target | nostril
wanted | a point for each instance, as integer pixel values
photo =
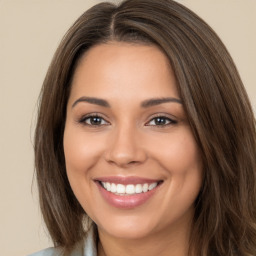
(133, 162)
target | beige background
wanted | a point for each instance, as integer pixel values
(30, 31)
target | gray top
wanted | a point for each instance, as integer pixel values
(87, 247)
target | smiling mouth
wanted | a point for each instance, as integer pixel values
(127, 192)
(129, 189)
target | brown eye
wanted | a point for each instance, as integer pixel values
(94, 121)
(161, 121)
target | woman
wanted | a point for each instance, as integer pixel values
(145, 141)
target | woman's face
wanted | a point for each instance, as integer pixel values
(131, 158)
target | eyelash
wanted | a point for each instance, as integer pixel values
(90, 117)
(163, 117)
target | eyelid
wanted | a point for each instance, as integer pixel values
(83, 118)
(172, 120)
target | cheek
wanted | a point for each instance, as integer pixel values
(185, 166)
(178, 153)
(80, 151)
(81, 155)
(180, 157)
(186, 177)
(185, 154)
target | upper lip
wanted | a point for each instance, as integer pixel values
(125, 180)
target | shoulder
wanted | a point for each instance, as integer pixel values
(86, 247)
(47, 252)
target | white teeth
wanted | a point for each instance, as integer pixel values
(145, 187)
(120, 188)
(151, 186)
(138, 188)
(108, 186)
(113, 188)
(129, 189)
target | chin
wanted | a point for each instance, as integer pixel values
(129, 227)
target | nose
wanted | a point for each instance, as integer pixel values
(125, 148)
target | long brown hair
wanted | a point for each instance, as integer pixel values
(216, 104)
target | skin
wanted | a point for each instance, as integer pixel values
(127, 141)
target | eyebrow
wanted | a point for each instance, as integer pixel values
(92, 100)
(158, 101)
(144, 104)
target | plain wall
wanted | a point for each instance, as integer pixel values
(30, 31)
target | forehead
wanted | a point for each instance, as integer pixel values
(123, 69)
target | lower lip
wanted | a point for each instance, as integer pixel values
(126, 202)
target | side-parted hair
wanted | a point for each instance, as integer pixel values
(216, 105)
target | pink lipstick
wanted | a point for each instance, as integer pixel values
(127, 192)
